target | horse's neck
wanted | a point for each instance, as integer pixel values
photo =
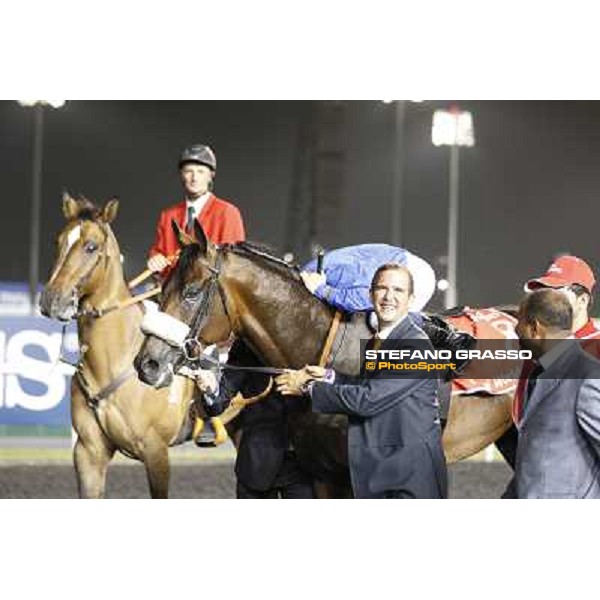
(283, 322)
(109, 292)
(111, 341)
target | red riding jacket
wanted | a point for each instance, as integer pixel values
(221, 221)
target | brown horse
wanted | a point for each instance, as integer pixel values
(111, 408)
(242, 290)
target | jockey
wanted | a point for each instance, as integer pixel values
(222, 223)
(345, 284)
(220, 219)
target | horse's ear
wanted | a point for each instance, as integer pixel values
(201, 238)
(110, 210)
(70, 207)
(181, 236)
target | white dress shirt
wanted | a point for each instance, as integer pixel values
(384, 332)
(197, 204)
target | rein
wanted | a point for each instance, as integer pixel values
(97, 313)
(214, 362)
(193, 340)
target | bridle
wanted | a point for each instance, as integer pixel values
(104, 254)
(194, 343)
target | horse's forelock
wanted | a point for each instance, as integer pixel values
(87, 210)
(187, 258)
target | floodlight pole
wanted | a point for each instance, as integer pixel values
(36, 200)
(453, 128)
(452, 292)
(397, 171)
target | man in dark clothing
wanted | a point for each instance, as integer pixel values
(266, 465)
(394, 435)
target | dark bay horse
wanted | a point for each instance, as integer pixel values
(111, 408)
(242, 290)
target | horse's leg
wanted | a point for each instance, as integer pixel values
(329, 490)
(156, 461)
(474, 422)
(91, 463)
(507, 445)
(92, 451)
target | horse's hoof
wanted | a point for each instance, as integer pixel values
(211, 434)
(206, 440)
(204, 435)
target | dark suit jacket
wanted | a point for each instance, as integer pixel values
(558, 455)
(394, 435)
(264, 424)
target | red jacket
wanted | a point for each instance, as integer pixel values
(587, 332)
(221, 221)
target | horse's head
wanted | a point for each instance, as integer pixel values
(84, 248)
(193, 313)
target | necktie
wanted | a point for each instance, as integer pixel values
(189, 225)
(537, 371)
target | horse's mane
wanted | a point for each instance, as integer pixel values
(252, 250)
(266, 253)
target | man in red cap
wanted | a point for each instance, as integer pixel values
(572, 276)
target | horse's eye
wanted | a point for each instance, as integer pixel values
(90, 247)
(191, 292)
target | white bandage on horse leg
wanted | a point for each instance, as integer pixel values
(150, 306)
(164, 326)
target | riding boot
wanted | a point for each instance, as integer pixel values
(212, 433)
(445, 337)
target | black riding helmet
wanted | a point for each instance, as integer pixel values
(201, 154)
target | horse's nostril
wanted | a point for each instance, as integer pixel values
(150, 366)
(48, 303)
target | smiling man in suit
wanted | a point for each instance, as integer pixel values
(558, 455)
(394, 435)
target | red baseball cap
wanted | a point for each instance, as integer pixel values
(564, 271)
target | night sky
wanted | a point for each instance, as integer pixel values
(528, 189)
